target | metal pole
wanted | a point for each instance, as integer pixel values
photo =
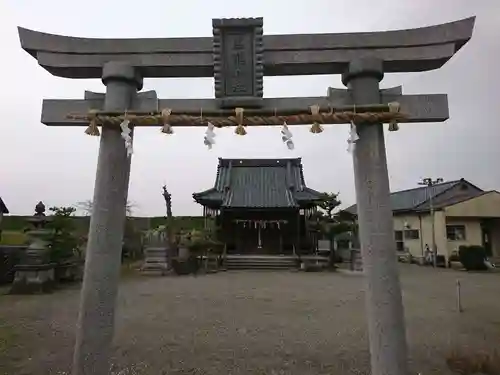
(384, 305)
(429, 182)
(95, 327)
(459, 297)
(433, 227)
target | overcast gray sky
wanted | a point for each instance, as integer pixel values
(57, 165)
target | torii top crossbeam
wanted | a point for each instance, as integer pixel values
(401, 51)
(412, 50)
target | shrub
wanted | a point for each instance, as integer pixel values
(186, 267)
(472, 257)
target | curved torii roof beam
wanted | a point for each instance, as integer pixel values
(412, 50)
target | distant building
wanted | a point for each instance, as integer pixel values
(464, 215)
(261, 206)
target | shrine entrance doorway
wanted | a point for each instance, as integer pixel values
(262, 237)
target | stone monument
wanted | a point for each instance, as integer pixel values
(237, 57)
(155, 252)
(35, 274)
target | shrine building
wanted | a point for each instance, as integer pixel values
(261, 207)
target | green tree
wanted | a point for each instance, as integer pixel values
(63, 242)
(329, 202)
(332, 221)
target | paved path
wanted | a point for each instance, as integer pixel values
(253, 323)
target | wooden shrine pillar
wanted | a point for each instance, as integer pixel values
(205, 217)
(296, 250)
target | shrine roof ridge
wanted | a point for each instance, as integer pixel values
(259, 184)
(259, 162)
(417, 49)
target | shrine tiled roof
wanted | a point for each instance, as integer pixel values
(258, 183)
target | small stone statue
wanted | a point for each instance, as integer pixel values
(40, 209)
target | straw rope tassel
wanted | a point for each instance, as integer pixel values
(165, 115)
(316, 127)
(240, 129)
(394, 107)
(92, 129)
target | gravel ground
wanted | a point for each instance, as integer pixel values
(253, 323)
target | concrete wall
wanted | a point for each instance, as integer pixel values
(485, 205)
(414, 246)
(470, 212)
(440, 228)
(473, 234)
(423, 224)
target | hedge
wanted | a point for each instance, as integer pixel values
(13, 238)
(19, 223)
(13, 226)
(473, 257)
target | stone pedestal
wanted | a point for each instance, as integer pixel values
(69, 271)
(356, 260)
(35, 273)
(33, 279)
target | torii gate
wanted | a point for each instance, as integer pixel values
(238, 56)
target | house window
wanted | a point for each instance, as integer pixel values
(398, 236)
(412, 234)
(455, 232)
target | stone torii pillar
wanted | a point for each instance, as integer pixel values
(103, 256)
(384, 304)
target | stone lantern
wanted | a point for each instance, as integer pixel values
(35, 274)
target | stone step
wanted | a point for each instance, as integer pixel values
(259, 267)
(260, 262)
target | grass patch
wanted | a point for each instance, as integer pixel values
(13, 238)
